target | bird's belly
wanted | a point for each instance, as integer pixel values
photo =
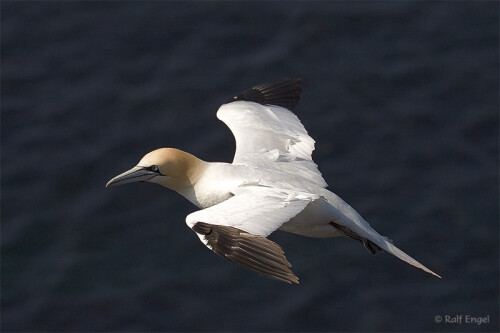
(313, 221)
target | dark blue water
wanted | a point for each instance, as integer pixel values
(401, 97)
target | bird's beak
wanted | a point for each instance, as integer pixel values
(136, 174)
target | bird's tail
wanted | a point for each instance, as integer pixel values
(389, 247)
(374, 242)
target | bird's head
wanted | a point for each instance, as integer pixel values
(169, 167)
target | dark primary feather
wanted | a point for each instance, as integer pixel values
(284, 93)
(368, 244)
(255, 253)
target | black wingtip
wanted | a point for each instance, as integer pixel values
(284, 93)
(252, 252)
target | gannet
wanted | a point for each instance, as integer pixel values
(272, 184)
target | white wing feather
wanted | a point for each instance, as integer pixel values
(254, 209)
(271, 137)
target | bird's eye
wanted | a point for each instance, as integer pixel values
(154, 168)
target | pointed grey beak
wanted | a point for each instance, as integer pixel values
(136, 174)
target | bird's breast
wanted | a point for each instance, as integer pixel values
(214, 186)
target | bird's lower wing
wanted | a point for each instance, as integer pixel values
(258, 210)
(237, 228)
(255, 253)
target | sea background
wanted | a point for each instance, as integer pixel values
(401, 98)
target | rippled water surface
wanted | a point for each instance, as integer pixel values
(401, 97)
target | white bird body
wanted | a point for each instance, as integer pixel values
(272, 184)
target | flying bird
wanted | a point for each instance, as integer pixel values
(272, 184)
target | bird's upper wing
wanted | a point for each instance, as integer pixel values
(267, 134)
(237, 228)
